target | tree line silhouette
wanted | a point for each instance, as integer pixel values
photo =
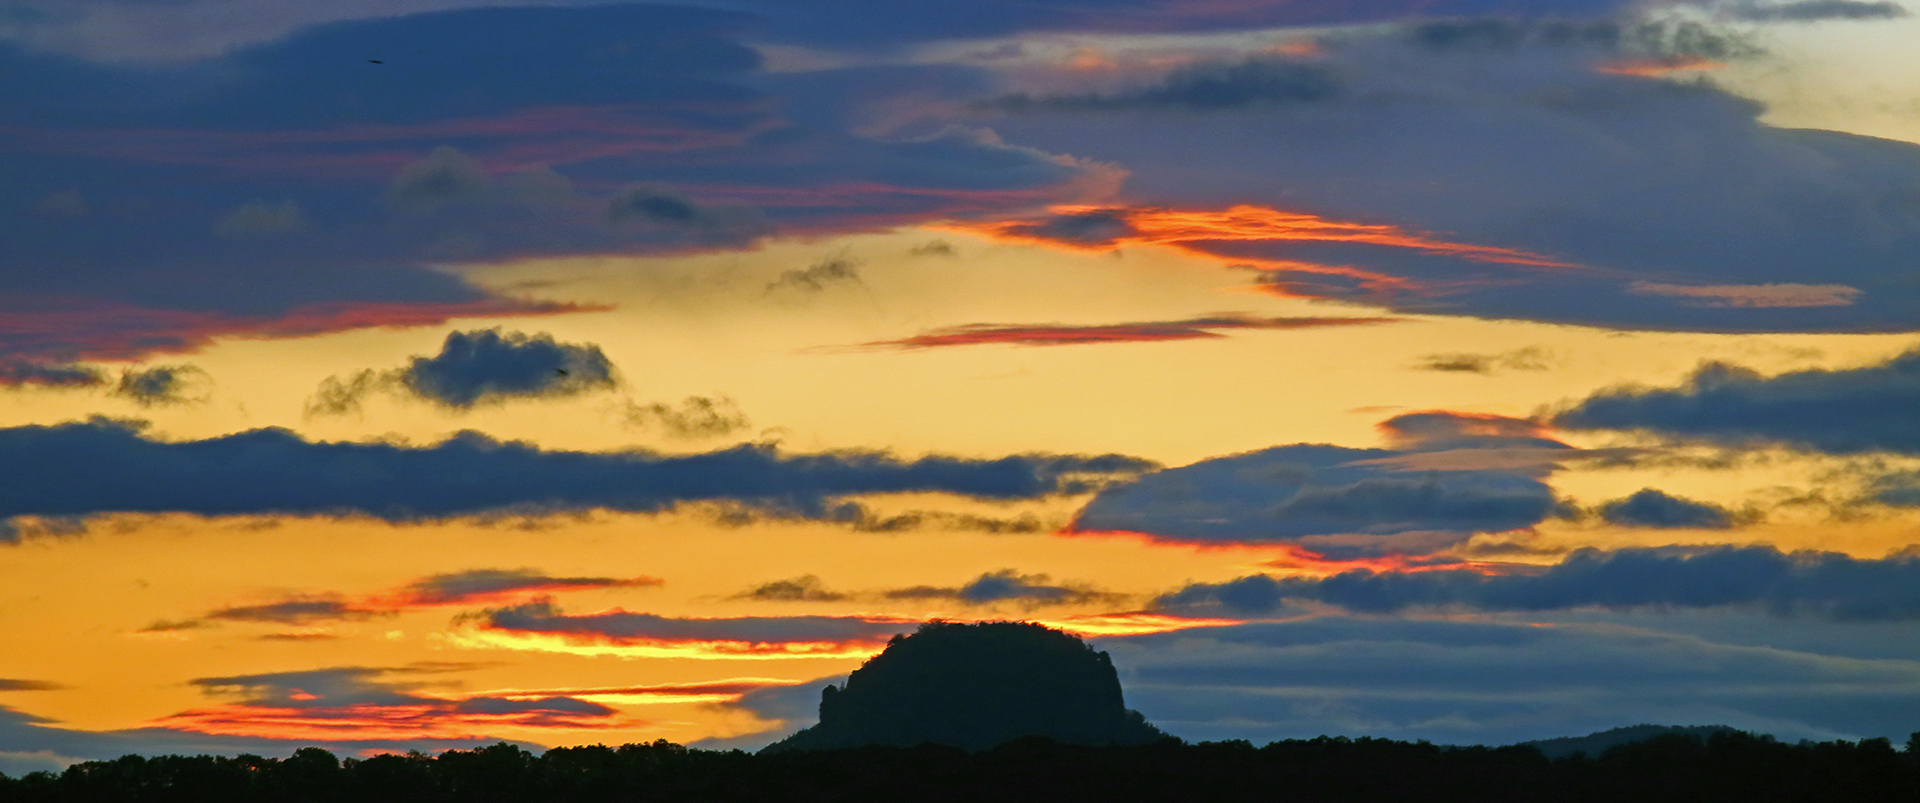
(1725, 766)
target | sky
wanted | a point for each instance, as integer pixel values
(418, 374)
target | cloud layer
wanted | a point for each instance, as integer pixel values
(105, 466)
(1818, 584)
(1839, 411)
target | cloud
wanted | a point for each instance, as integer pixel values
(372, 702)
(351, 709)
(1765, 296)
(1201, 87)
(8, 684)
(1528, 358)
(1328, 499)
(1839, 411)
(484, 366)
(488, 366)
(696, 417)
(540, 626)
(59, 376)
(1508, 136)
(1652, 508)
(863, 518)
(108, 466)
(1813, 584)
(1815, 11)
(1068, 335)
(259, 218)
(163, 385)
(805, 588)
(1466, 682)
(296, 611)
(658, 207)
(817, 277)
(493, 585)
(1007, 585)
(472, 587)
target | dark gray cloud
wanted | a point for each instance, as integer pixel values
(488, 365)
(1841, 411)
(294, 611)
(1649, 507)
(817, 277)
(1464, 682)
(484, 366)
(1815, 11)
(863, 518)
(1529, 358)
(17, 374)
(805, 588)
(9, 684)
(1646, 39)
(162, 385)
(1815, 584)
(1008, 585)
(105, 466)
(487, 585)
(1201, 87)
(696, 417)
(1327, 498)
(543, 617)
(659, 207)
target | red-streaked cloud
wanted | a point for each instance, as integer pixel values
(472, 587)
(358, 703)
(1135, 332)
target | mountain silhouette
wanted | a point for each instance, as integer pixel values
(975, 686)
(1594, 744)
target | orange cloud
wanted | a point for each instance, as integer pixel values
(1185, 228)
(1655, 68)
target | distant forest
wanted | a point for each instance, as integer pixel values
(1724, 766)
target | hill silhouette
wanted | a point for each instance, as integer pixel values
(1593, 744)
(975, 686)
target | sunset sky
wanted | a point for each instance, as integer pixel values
(414, 374)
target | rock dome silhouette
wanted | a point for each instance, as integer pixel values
(975, 686)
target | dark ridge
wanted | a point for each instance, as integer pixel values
(1725, 767)
(1594, 744)
(974, 686)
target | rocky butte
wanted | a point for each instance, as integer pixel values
(975, 686)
